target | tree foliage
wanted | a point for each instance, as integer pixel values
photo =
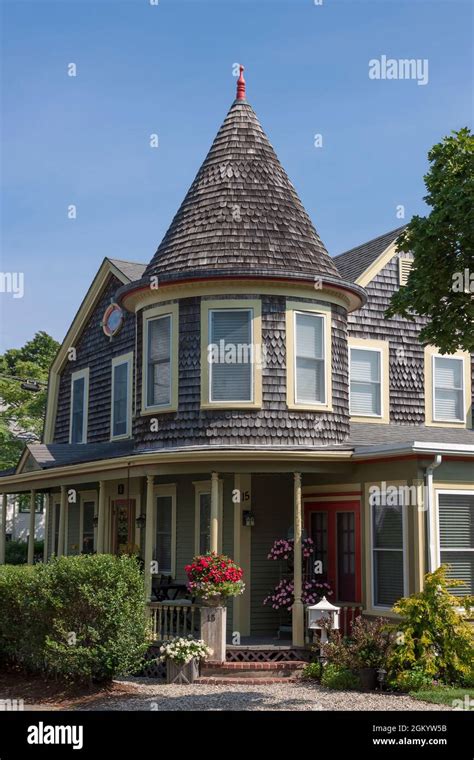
(441, 282)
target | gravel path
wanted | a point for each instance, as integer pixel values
(154, 695)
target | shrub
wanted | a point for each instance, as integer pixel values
(335, 677)
(433, 636)
(412, 680)
(82, 618)
(368, 646)
(312, 671)
(16, 552)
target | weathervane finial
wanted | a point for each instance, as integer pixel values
(241, 84)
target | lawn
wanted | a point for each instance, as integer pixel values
(444, 695)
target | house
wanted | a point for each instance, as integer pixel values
(244, 386)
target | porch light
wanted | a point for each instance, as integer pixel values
(320, 612)
(140, 522)
(248, 519)
(95, 521)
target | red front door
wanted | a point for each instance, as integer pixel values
(334, 527)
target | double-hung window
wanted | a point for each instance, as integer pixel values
(165, 529)
(448, 389)
(121, 412)
(366, 382)
(456, 538)
(202, 540)
(308, 349)
(388, 557)
(79, 406)
(160, 359)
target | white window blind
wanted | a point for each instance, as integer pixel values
(78, 410)
(309, 358)
(456, 538)
(159, 361)
(231, 357)
(448, 388)
(120, 395)
(366, 387)
(164, 533)
(387, 553)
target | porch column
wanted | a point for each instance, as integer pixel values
(298, 607)
(31, 534)
(101, 518)
(214, 512)
(47, 523)
(62, 521)
(150, 488)
(3, 526)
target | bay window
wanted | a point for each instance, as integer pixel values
(160, 359)
(308, 349)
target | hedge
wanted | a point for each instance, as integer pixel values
(81, 618)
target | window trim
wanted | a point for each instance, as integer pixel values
(256, 338)
(434, 357)
(116, 362)
(382, 346)
(438, 492)
(370, 554)
(166, 489)
(321, 310)
(80, 373)
(202, 487)
(430, 353)
(171, 310)
(86, 496)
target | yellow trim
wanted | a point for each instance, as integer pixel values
(383, 347)
(161, 311)
(455, 485)
(167, 489)
(430, 352)
(146, 297)
(382, 260)
(200, 487)
(339, 487)
(324, 311)
(116, 361)
(106, 270)
(255, 306)
(80, 373)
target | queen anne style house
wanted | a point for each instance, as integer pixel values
(243, 387)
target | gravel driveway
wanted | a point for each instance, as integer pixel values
(154, 695)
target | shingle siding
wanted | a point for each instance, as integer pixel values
(95, 350)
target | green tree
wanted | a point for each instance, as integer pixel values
(22, 412)
(441, 282)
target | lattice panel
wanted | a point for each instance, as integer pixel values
(267, 655)
(153, 667)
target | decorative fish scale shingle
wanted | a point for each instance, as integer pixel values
(241, 213)
(274, 423)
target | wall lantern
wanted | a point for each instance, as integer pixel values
(95, 521)
(248, 519)
(140, 522)
(120, 489)
(321, 612)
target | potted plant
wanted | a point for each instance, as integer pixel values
(182, 656)
(214, 578)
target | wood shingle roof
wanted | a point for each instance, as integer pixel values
(351, 264)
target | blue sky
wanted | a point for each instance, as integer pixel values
(167, 69)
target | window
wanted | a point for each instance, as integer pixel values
(456, 538)
(79, 406)
(448, 396)
(308, 360)
(202, 540)
(319, 534)
(160, 359)
(88, 511)
(24, 503)
(309, 354)
(365, 384)
(388, 561)
(165, 529)
(121, 412)
(230, 355)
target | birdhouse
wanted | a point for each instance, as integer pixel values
(322, 611)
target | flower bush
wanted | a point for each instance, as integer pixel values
(212, 576)
(283, 548)
(283, 593)
(182, 650)
(369, 645)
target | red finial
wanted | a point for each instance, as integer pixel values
(241, 85)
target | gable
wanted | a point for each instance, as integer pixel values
(362, 263)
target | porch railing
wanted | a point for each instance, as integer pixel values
(347, 616)
(170, 619)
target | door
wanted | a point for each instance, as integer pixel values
(346, 556)
(123, 526)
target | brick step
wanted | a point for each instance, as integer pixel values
(239, 681)
(245, 670)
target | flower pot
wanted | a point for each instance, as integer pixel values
(182, 673)
(215, 601)
(368, 678)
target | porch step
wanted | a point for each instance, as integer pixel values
(243, 671)
(238, 681)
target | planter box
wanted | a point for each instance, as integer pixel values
(182, 673)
